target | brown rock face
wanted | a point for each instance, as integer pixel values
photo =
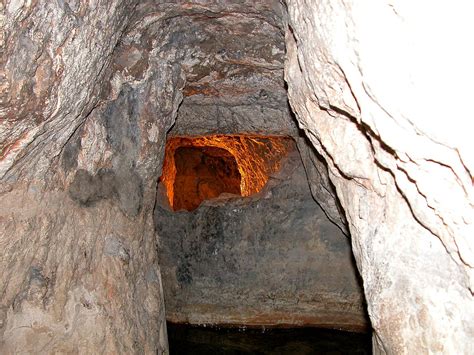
(79, 162)
(202, 174)
(271, 259)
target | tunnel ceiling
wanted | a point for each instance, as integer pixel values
(231, 57)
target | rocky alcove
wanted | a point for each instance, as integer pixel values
(202, 167)
(91, 92)
(203, 174)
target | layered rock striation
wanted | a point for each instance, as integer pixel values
(361, 81)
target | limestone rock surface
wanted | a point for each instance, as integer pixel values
(271, 259)
(81, 145)
(54, 55)
(374, 91)
(89, 90)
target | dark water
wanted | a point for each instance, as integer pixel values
(185, 339)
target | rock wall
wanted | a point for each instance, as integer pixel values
(82, 143)
(202, 174)
(271, 259)
(77, 280)
(54, 55)
(375, 86)
(234, 70)
(89, 90)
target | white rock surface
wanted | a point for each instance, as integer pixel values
(380, 87)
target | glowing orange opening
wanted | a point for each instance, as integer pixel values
(256, 157)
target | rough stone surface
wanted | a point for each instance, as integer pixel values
(360, 78)
(81, 150)
(321, 186)
(78, 280)
(90, 88)
(54, 59)
(272, 259)
(234, 70)
(202, 174)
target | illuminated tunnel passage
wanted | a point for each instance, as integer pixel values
(203, 173)
(201, 168)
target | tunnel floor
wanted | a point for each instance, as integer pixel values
(196, 340)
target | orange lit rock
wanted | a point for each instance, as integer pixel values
(257, 158)
(203, 173)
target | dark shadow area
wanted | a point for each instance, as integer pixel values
(203, 173)
(186, 339)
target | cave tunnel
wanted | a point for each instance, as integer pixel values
(203, 173)
(201, 168)
(244, 243)
(252, 176)
(246, 236)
